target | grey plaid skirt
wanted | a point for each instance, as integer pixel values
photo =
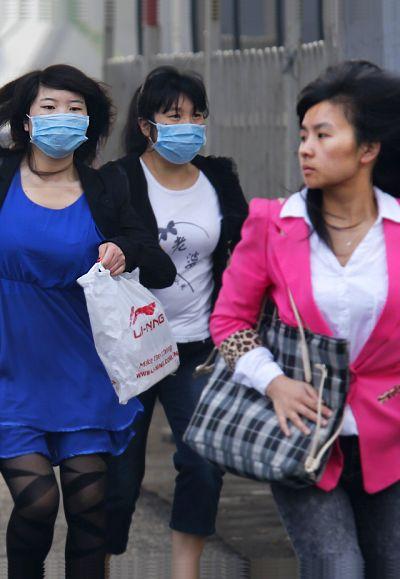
(236, 427)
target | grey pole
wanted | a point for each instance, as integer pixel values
(126, 40)
(390, 33)
(108, 36)
(207, 62)
(211, 43)
(332, 16)
(151, 32)
(292, 40)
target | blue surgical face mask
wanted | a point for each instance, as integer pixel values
(179, 143)
(58, 135)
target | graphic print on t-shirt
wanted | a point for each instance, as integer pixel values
(189, 227)
(181, 243)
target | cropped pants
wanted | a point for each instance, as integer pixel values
(198, 482)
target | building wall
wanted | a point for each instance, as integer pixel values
(37, 33)
(370, 30)
(181, 24)
(253, 91)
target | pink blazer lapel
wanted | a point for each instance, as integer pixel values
(390, 317)
(291, 246)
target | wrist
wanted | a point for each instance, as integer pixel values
(272, 385)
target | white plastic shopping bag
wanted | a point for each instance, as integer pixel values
(130, 331)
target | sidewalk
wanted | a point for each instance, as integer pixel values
(149, 551)
(247, 522)
(250, 541)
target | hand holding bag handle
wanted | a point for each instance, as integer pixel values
(313, 460)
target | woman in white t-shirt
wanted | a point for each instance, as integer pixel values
(196, 207)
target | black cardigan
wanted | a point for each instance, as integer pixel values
(221, 172)
(108, 200)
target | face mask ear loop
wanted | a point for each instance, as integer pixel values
(152, 143)
(28, 131)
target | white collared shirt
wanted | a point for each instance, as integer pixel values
(350, 298)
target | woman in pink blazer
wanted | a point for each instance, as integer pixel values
(336, 246)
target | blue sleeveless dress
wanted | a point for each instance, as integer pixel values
(55, 395)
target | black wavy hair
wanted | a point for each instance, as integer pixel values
(370, 98)
(160, 92)
(17, 96)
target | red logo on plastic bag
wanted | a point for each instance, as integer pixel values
(147, 310)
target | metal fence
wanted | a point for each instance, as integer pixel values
(252, 107)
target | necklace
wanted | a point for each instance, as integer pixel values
(344, 228)
(354, 234)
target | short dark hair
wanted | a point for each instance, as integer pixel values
(17, 96)
(371, 102)
(160, 92)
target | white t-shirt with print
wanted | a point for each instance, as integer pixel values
(189, 225)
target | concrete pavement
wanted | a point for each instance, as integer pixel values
(247, 520)
(250, 541)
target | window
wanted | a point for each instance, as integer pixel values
(311, 20)
(248, 24)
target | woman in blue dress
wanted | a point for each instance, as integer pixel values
(57, 405)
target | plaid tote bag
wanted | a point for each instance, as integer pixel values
(236, 427)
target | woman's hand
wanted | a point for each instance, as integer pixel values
(292, 399)
(112, 258)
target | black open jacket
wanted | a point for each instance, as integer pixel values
(109, 203)
(221, 173)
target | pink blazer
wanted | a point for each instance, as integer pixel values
(274, 255)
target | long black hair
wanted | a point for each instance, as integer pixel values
(160, 92)
(370, 98)
(17, 96)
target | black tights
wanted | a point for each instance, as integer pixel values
(34, 489)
